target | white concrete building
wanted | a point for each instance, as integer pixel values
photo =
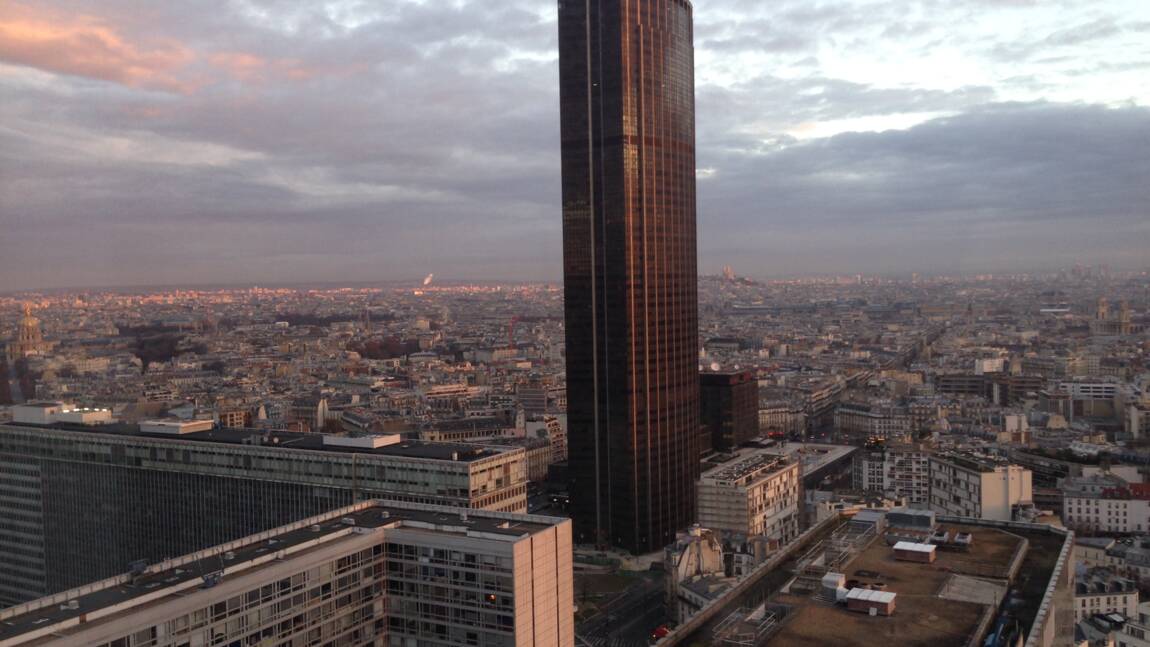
(755, 493)
(376, 573)
(971, 486)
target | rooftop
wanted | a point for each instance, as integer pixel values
(461, 452)
(935, 607)
(977, 463)
(747, 465)
(184, 575)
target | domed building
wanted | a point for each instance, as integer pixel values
(29, 338)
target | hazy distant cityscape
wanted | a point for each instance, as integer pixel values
(878, 384)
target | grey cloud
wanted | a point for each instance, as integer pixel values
(355, 140)
(1000, 186)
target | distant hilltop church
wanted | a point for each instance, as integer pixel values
(29, 339)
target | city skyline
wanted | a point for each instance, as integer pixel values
(850, 137)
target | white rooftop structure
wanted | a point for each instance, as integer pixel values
(870, 595)
(175, 427)
(913, 547)
(370, 441)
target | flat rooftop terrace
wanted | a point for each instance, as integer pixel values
(459, 452)
(183, 576)
(747, 462)
(933, 607)
(816, 456)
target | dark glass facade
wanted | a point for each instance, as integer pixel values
(730, 408)
(628, 152)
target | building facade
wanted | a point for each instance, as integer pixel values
(898, 470)
(864, 422)
(780, 418)
(137, 496)
(376, 573)
(1100, 591)
(757, 493)
(729, 406)
(968, 486)
(626, 74)
(1105, 503)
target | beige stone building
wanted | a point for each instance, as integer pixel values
(754, 493)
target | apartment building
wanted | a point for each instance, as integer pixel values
(1100, 591)
(896, 470)
(754, 493)
(965, 485)
(375, 573)
(864, 421)
(1136, 631)
(781, 418)
(1105, 503)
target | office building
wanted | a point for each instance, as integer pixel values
(756, 493)
(972, 486)
(82, 503)
(626, 73)
(374, 573)
(729, 408)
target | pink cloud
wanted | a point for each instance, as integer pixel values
(85, 46)
(244, 66)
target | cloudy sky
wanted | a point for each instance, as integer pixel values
(191, 141)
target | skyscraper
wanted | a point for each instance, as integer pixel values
(626, 73)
